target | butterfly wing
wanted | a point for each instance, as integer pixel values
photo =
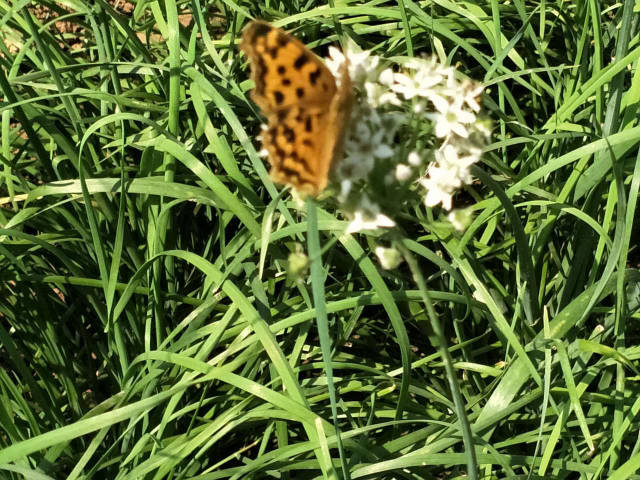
(306, 112)
(284, 70)
(296, 144)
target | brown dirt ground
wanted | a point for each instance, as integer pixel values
(64, 27)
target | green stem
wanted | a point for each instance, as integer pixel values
(465, 427)
(317, 286)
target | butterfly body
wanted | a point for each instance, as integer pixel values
(306, 111)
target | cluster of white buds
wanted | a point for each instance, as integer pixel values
(415, 125)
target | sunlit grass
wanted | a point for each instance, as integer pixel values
(148, 327)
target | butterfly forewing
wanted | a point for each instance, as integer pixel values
(284, 71)
(305, 110)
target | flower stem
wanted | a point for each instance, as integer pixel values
(317, 286)
(465, 427)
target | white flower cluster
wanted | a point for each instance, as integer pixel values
(391, 146)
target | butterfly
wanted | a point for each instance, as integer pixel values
(307, 111)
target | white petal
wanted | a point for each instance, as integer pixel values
(402, 79)
(432, 198)
(465, 117)
(390, 98)
(386, 77)
(459, 129)
(356, 224)
(384, 221)
(414, 159)
(475, 106)
(336, 55)
(443, 128)
(389, 257)
(403, 172)
(449, 154)
(441, 103)
(345, 188)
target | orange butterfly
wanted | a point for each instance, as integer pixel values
(306, 111)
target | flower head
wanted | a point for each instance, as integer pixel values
(389, 258)
(362, 65)
(297, 264)
(450, 118)
(460, 218)
(402, 117)
(369, 217)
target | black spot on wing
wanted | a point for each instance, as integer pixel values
(308, 125)
(313, 76)
(278, 97)
(289, 173)
(282, 40)
(261, 70)
(261, 29)
(281, 69)
(279, 151)
(300, 92)
(301, 61)
(262, 66)
(286, 82)
(288, 133)
(302, 163)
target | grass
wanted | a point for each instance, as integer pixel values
(148, 328)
